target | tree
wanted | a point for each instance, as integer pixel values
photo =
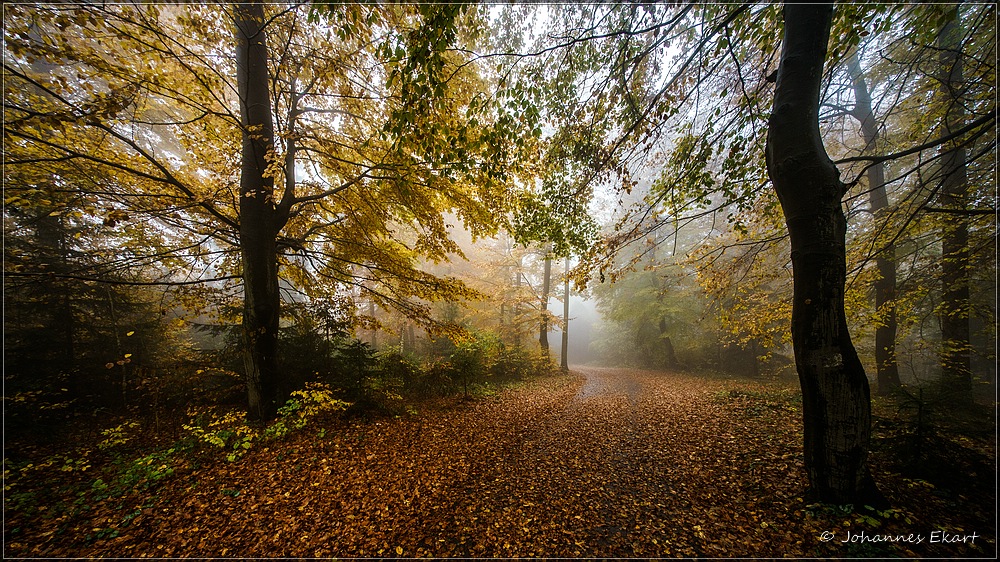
(260, 217)
(543, 306)
(887, 371)
(836, 400)
(956, 356)
(640, 111)
(564, 355)
(69, 340)
(338, 98)
(917, 128)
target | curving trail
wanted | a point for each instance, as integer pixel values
(595, 463)
(601, 462)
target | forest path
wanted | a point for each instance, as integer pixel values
(597, 462)
(607, 382)
(592, 463)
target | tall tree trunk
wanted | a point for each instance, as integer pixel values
(543, 329)
(564, 362)
(119, 352)
(371, 314)
(836, 401)
(669, 356)
(885, 262)
(53, 236)
(956, 356)
(516, 305)
(258, 220)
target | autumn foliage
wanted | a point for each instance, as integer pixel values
(600, 462)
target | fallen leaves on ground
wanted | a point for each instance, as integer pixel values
(600, 462)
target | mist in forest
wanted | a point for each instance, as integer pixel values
(290, 279)
(584, 320)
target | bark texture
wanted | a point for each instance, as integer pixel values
(835, 392)
(258, 219)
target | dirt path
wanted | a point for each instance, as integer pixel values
(597, 463)
(606, 383)
(603, 462)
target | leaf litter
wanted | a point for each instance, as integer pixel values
(595, 463)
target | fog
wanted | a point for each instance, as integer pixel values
(583, 322)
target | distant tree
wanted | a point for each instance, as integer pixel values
(956, 355)
(564, 353)
(887, 370)
(68, 339)
(543, 303)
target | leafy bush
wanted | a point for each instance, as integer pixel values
(146, 471)
(352, 361)
(486, 358)
(230, 430)
(517, 363)
(301, 407)
(436, 378)
(469, 362)
(116, 436)
(224, 430)
(393, 364)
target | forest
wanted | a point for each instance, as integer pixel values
(372, 280)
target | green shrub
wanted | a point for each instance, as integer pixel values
(302, 406)
(436, 378)
(230, 430)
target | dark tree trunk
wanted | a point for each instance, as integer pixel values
(258, 219)
(543, 329)
(956, 356)
(885, 262)
(411, 338)
(53, 237)
(374, 331)
(669, 357)
(836, 399)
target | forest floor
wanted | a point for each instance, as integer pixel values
(594, 463)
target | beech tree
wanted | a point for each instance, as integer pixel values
(836, 401)
(887, 370)
(564, 348)
(543, 302)
(956, 354)
(260, 217)
(253, 144)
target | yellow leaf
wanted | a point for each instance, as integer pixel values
(129, 334)
(399, 550)
(127, 355)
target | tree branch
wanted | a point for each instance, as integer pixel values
(120, 281)
(959, 211)
(984, 120)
